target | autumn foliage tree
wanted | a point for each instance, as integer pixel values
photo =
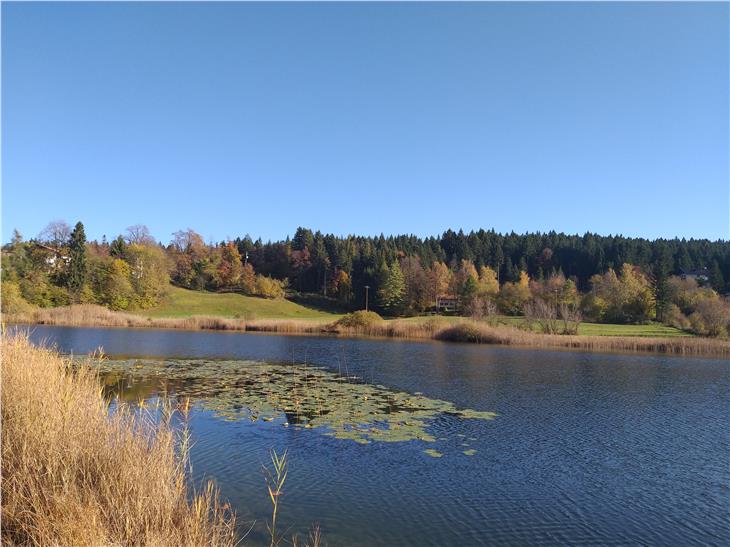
(513, 296)
(230, 268)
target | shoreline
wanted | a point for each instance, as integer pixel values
(466, 331)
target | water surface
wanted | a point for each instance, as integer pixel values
(586, 448)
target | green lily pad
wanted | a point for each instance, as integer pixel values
(300, 396)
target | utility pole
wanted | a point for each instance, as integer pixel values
(367, 292)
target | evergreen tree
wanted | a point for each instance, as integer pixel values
(392, 289)
(118, 247)
(661, 270)
(76, 276)
(717, 280)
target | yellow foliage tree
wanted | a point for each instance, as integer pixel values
(488, 284)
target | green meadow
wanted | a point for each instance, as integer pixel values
(187, 303)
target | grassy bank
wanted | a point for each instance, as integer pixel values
(187, 303)
(437, 328)
(584, 329)
(72, 474)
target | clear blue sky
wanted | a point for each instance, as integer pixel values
(366, 118)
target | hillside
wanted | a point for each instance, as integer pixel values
(186, 303)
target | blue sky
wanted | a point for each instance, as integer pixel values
(366, 117)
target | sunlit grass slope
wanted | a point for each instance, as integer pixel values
(186, 303)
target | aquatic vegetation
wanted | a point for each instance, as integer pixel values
(297, 395)
(470, 452)
(433, 453)
(274, 484)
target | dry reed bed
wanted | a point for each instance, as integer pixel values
(481, 333)
(431, 328)
(91, 315)
(74, 474)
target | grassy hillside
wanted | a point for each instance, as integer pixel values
(186, 303)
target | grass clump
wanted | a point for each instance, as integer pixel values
(75, 474)
(472, 332)
(359, 320)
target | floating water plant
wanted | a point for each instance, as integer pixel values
(302, 396)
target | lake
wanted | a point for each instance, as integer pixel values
(585, 448)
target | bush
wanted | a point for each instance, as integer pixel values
(674, 317)
(697, 325)
(269, 287)
(359, 319)
(39, 291)
(714, 316)
(473, 333)
(11, 299)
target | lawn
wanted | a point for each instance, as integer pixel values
(652, 329)
(185, 303)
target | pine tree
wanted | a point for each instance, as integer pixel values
(76, 276)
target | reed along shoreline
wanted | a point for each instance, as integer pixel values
(74, 473)
(430, 328)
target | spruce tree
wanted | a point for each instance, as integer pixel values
(662, 291)
(392, 289)
(77, 254)
(717, 280)
(118, 247)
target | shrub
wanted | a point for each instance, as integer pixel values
(714, 315)
(359, 319)
(11, 299)
(674, 317)
(269, 287)
(473, 333)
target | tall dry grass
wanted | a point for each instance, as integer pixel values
(74, 474)
(435, 328)
(680, 345)
(92, 315)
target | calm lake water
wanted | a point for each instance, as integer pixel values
(586, 448)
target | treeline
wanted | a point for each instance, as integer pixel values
(601, 278)
(310, 259)
(59, 267)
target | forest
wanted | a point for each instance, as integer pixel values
(550, 276)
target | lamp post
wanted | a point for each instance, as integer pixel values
(367, 293)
